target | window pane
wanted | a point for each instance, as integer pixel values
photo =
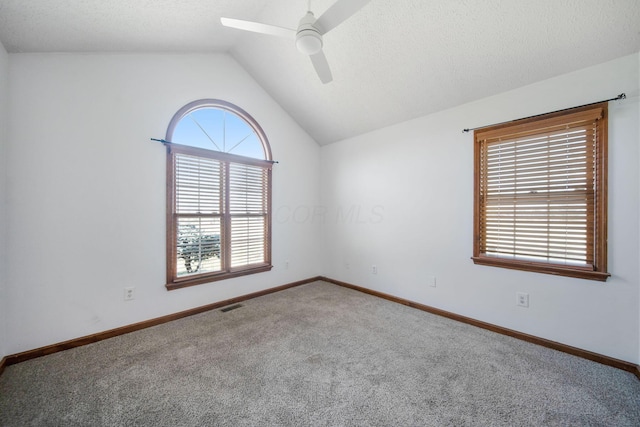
(247, 189)
(198, 185)
(248, 209)
(247, 240)
(536, 197)
(218, 130)
(198, 246)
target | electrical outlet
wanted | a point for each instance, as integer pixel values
(432, 281)
(347, 266)
(374, 269)
(286, 265)
(129, 293)
(522, 299)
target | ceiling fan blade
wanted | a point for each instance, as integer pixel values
(257, 27)
(321, 65)
(337, 13)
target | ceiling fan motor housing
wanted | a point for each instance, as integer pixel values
(308, 38)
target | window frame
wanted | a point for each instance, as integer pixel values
(598, 271)
(173, 149)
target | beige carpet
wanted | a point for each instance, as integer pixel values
(316, 355)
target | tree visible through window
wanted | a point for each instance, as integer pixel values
(218, 194)
(541, 194)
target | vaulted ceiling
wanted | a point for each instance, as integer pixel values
(392, 61)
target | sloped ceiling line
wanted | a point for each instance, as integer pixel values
(391, 62)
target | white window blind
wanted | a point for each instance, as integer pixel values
(248, 209)
(221, 213)
(199, 207)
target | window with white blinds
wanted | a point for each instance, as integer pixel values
(248, 211)
(218, 203)
(540, 194)
(199, 208)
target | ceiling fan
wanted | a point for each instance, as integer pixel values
(308, 36)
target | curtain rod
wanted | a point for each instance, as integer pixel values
(164, 141)
(621, 96)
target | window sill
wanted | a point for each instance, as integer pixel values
(557, 270)
(214, 277)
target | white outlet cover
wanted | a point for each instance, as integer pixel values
(522, 299)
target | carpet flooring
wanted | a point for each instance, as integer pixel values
(316, 355)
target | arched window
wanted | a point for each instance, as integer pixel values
(218, 194)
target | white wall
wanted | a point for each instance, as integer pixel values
(401, 198)
(87, 189)
(4, 86)
(86, 200)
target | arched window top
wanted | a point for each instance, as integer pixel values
(221, 126)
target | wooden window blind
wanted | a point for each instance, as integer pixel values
(540, 190)
(218, 216)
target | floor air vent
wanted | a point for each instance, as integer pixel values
(231, 307)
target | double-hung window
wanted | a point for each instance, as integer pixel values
(541, 194)
(218, 195)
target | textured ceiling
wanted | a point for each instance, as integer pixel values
(392, 61)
